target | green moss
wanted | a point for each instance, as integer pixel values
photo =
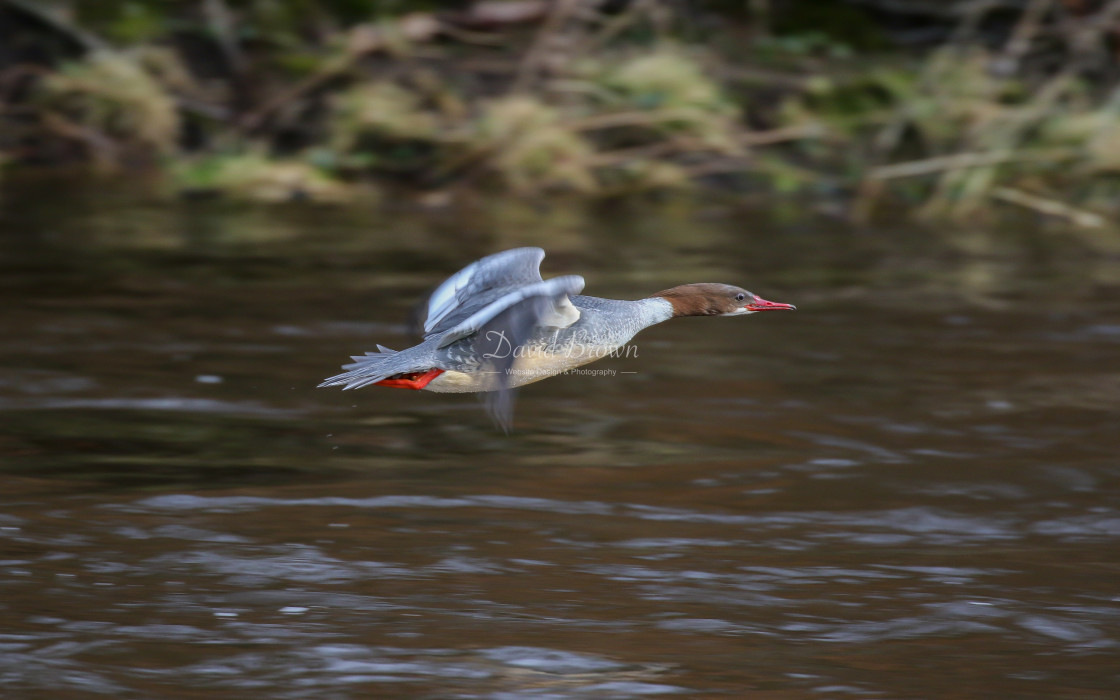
(383, 110)
(136, 23)
(111, 94)
(661, 94)
(530, 147)
(255, 177)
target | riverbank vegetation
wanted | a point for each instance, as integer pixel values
(946, 109)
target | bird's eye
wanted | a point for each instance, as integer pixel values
(740, 297)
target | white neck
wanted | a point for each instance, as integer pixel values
(654, 310)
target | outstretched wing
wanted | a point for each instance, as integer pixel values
(495, 306)
(496, 333)
(544, 304)
(478, 285)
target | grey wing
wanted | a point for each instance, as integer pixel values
(478, 285)
(494, 333)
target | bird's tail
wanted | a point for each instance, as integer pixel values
(371, 368)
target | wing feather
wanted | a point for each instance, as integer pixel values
(497, 331)
(551, 307)
(478, 285)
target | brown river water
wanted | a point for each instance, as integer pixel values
(909, 488)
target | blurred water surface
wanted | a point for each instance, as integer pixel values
(908, 488)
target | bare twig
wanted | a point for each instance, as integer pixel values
(962, 161)
(692, 146)
(225, 32)
(255, 120)
(782, 135)
(762, 76)
(1025, 31)
(36, 10)
(613, 27)
(613, 120)
(1050, 207)
(654, 150)
(890, 135)
(531, 64)
(203, 109)
(1110, 112)
(714, 167)
(1087, 38)
(103, 149)
(363, 40)
(496, 13)
(417, 27)
(469, 36)
(10, 79)
(960, 192)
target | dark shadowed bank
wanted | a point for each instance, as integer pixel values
(946, 109)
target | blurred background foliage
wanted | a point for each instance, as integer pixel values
(946, 108)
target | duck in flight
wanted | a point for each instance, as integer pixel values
(497, 325)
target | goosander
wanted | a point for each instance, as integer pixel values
(497, 325)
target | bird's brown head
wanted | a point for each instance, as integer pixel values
(714, 299)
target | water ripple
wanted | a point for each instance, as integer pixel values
(300, 563)
(887, 527)
(166, 403)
